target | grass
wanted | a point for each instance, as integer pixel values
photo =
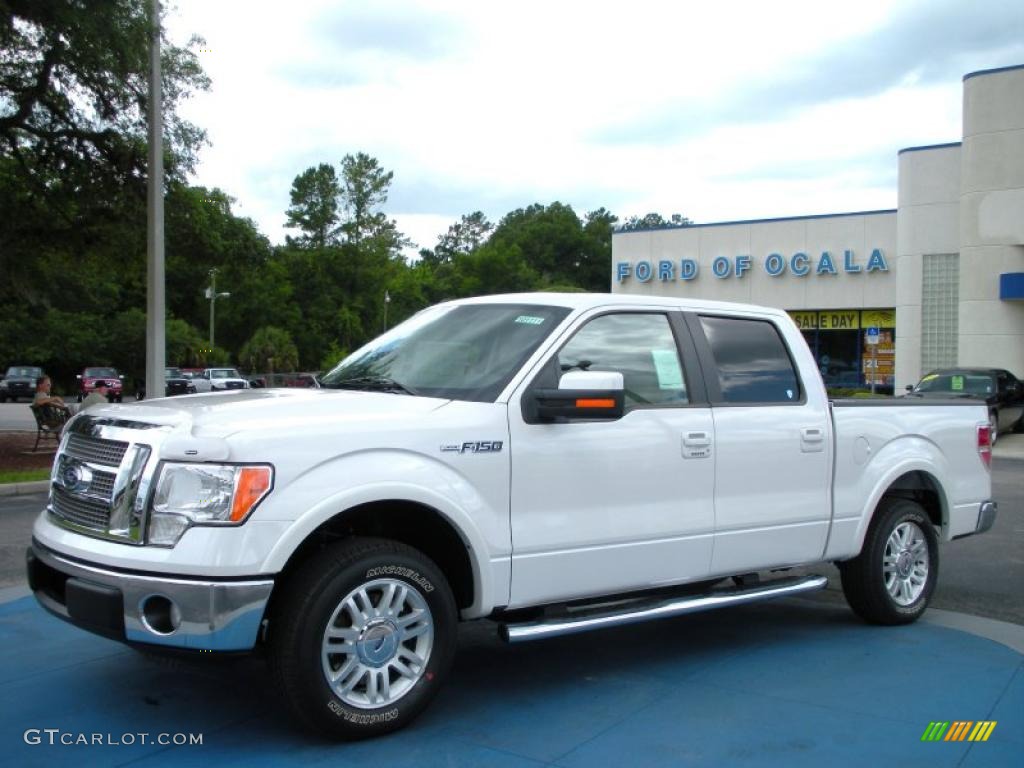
(23, 475)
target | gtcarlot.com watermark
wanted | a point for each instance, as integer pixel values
(57, 737)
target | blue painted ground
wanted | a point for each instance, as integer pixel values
(790, 684)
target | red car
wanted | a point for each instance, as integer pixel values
(87, 382)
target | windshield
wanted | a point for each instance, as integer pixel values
(172, 373)
(957, 384)
(224, 373)
(26, 373)
(467, 352)
(107, 373)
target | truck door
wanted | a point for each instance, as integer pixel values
(608, 506)
(773, 445)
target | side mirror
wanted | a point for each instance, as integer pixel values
(909, 387)
(581, 395)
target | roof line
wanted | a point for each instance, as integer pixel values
(758, 221)
(925, 147)
(993, 71)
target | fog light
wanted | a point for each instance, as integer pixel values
(160, 615)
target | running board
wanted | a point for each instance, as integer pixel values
(633, 612)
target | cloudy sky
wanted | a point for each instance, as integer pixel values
(715, 110)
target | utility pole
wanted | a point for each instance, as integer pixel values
(156, 339)
(212, 295)
(387, 300)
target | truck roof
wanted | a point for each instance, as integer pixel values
(592, 300)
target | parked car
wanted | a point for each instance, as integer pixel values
(555, 463)
(87, 382)
(175, 383)
(20, 381)
(218, 379)
(999, 389)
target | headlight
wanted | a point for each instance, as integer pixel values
(204, 494)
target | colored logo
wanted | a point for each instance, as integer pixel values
(959, 730)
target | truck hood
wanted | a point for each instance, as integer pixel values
(284, 411)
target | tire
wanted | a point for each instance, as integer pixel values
(390, 678)
(893, 577)
(119, 398)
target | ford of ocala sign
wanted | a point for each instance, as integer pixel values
(774, 265)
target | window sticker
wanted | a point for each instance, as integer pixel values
(958, 383)
(529, 320)
(666, 366)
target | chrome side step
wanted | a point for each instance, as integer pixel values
(635, 612)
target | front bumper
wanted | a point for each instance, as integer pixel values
(170, 611)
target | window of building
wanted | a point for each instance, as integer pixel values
(940, 306)
(752, 361)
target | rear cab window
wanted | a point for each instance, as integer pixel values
(752, 363)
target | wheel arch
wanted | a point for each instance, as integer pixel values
(415, 523)
(910, 481)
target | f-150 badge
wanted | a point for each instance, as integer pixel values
(473, 446)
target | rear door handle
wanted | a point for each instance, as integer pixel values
(812, 439)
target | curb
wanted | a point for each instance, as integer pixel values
(23, 489)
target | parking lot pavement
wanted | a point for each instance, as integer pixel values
(790, 683)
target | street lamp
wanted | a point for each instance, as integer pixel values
(387, 300)
(212, 295)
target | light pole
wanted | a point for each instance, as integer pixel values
(387, 300)
(212, 295)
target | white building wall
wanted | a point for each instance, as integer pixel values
(927, 223)
(992, 218)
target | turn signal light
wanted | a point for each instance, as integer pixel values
(985, 445)
(603, 402)
(252, 484)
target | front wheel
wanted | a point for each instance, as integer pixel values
(892, 579)
(361, 637)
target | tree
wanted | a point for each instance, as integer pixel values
(654, 221)
(364, 188)
(74, 82)
(595, 265)
(270, 349)
(462, 238)
(550, 239)
(314, 207)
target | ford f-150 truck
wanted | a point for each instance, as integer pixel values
(554, 463)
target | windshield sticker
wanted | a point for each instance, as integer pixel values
(666, 366)
(958, 383)
(530, 320)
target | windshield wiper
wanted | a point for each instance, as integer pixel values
(374, 384)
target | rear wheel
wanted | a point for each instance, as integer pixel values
(892, 579)
(361, 637)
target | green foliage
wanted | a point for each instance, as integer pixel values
(332, 357)
(314, 208)
(654, 221)
(270, 349)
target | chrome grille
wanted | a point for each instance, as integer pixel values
(95, 449)
(103, 485)
(91, 513)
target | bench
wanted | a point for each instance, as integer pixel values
(50, 421)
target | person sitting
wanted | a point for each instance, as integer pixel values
(97, 396)
(43, 396)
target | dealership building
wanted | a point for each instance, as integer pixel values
(881, 296)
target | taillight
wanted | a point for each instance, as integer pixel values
(985, 444)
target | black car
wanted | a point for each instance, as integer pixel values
(20, 381)
(998, 388)
(175, 383)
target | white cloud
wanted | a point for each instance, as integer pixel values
(498, 105)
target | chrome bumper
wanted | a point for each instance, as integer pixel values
(986, 516)
(177, 612)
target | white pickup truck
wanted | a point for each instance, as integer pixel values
(554, 463)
